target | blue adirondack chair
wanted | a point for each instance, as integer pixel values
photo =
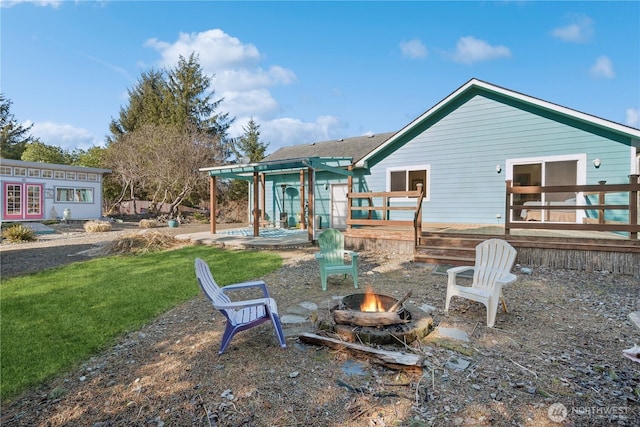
(241, 315)
(332, 257)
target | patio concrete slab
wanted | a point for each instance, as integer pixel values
(239, 240)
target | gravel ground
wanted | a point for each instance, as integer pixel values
(554, 359)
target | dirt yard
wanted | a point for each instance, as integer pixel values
(554, 359)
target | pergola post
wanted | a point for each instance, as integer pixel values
(312, 219)
(256, 201)
(349, 190)
(303, 221)
(263, 205)
(212, 204)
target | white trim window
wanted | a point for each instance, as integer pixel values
(72, 194)
(5, 170)
(47, 173)
(547, 171)
(406, 178)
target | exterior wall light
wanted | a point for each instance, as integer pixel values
(498, 168)
(596, 163)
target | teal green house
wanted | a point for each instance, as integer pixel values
(462, 150)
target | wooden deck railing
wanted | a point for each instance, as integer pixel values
(581, 191)
(380, 202)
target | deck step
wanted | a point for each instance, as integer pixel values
(450, 260)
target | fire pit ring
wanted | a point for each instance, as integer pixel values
(355, 301)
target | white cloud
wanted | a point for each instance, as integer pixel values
(284, 132)
(413, 49)
(257, 102)
(66, 137)
(238, 76)
(217, 50)
(470, 50)
(52, 3)
(579, 31)
(633, 117)
(602, 69)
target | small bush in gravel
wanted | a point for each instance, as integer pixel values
(19, 233)
(144, 241)
(97, 226)
(148, 223)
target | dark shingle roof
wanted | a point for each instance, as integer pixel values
(355, 148)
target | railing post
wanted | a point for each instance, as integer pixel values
(633, 204)
(417, 219)
(601, 201)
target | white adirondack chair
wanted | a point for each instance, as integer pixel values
(494, 259)
(241, 315)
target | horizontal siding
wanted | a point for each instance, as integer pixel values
(464, 147)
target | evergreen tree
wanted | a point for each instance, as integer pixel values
(247, 146)
(13, 136)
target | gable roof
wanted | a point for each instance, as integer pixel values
(355, 148)
(475, 86)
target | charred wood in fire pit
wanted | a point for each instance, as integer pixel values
(366, 318)
(398, 304)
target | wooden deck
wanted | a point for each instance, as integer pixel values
(454, 244)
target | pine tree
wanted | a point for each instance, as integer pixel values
(13, 136)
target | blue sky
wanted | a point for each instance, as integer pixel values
(314, 71)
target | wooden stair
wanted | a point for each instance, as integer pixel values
(448, 248)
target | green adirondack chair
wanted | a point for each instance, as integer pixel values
(332, 257)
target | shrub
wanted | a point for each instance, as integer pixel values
(96, 226)
(200, 217)
(19, 233)
(148, 223)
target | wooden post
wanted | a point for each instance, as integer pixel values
(633, 204)
(601, 201)
(507, 208)
(303, 221)
(263, 203)
(212, 204)
(256, 201)
(349, 191)
(312, 219)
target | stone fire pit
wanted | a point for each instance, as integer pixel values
(413, 322)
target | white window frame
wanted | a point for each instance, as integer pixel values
(581, 171)
(6, 170)
(423, 167)
(58, 174)
(19, 171)
(74, 191)
(47, 173)
(34, 173)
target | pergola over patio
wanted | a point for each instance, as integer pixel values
(259, 173)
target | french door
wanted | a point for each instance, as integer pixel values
(22, 201)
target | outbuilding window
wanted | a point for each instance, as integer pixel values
(77, 195)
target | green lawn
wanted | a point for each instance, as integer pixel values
(52, 320)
